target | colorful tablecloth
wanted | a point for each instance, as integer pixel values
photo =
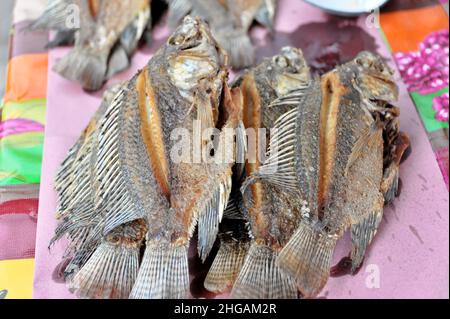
(22, 121)
(419, 40)
(412, 248)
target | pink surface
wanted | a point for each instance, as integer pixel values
(17, 235)
(410, 253)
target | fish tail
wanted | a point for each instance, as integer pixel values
(390, 186)
(239, 47)
(85, 66)
(226, 266)
(118, 61)
(54, 17)
(362, 235)
(163, 273)
(261, 278)
(266, 14)
(109, 273)
(307, 258)
(62, 38)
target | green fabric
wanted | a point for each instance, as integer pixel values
(20, 161)
(424, 104)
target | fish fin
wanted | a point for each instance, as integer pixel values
(210, 218)
(239, 47)
(128, 43)
(362, 235)
(226, 266)
(147, 34)
(109, 274)
(112, 196)
(362, 142)
(78, 259)
(234, 207)
(390, 184)
(132, 34)
(307, 258)
(118, 61)
(83, 65)
(202, 104)
(391, 176)
(178, 9)
(77, 166)
(266, 14)
(279, 168)
(163, 273)
(293, 98)
(241, 150)
(54, 17)
(73, 181)
(261, 278)
(62, 38)
(236, 99)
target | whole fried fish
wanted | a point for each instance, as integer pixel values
(230, 21)
(346, 185)
(105, 32)
(273, 212)
(122, 189)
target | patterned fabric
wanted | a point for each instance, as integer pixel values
(22, 123)
(421, 49)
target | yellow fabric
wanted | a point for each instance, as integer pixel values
(16, 277)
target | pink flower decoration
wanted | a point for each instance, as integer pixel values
(427, 70)
(441, 105)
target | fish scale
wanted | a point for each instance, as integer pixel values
(126, 188)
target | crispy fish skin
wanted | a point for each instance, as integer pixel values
(230, 22)
(352, 126)
(273, 213)
(108, 35)
(137, 195)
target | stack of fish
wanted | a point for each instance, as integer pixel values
(129, 209)
(105, 33)
(230, 22)
(332, 164)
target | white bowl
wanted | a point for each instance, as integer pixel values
(348, 7)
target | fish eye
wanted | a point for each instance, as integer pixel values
(281, 61)
(177, 39)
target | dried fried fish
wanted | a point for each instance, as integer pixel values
(105, 33)
(354, 115)
(119, 189)
(230, 21)
(273, 212)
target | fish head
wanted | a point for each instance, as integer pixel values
(196, 59)
(288, 71)
(375, 78)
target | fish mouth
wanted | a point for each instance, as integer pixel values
(193, 40)
(195, 56)
(292, 71)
